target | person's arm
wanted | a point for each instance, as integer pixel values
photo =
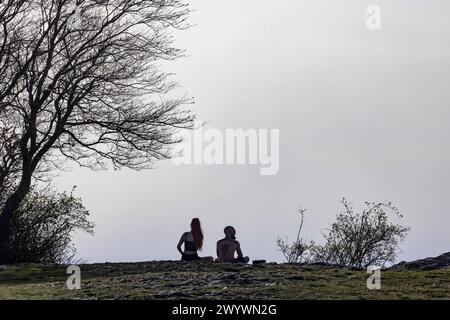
(218, 252)
(180, 243)
(238, 250)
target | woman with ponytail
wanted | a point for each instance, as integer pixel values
(193, 241)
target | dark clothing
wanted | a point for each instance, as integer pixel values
(190, 246)
(239, 260)
(190, 257)
(190, 249)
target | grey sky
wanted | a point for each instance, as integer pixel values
(362, 114)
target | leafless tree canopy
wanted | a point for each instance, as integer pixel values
(81, 79)
(10, 158)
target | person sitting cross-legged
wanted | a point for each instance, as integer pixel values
(228, 247)
(193, 241)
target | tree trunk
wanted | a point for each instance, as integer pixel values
(11, 205)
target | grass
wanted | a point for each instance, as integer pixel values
(203, 280)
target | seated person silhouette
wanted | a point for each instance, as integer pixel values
(193, 241)
(228, 247)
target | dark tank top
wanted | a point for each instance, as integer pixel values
(189, 245)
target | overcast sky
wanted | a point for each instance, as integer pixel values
(362, 114)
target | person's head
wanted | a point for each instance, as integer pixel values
(197, 233)
(230, 232)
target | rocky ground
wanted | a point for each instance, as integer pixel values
(423, 279)
(440, 262)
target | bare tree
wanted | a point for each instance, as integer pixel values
(362, 239)
(9, 159)
(297, 251)
(80, 79)
(13, 35)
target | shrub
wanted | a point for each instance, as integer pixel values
(43, 227)
(362, 239)
(298, 250)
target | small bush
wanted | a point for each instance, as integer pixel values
(297, 251)
(362, 239)
(43, 227)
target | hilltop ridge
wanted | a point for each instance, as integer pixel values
(211, 280)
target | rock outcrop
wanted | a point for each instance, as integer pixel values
(440, 262)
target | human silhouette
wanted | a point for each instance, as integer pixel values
(228, 247)
(193, 241)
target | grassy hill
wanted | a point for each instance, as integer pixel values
(207, 280)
